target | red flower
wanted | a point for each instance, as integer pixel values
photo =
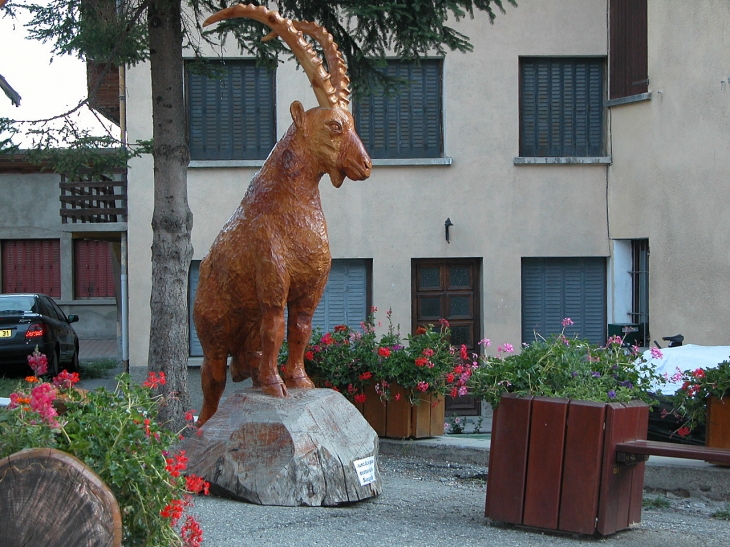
(421, 330)
(155, 380)
(360, 398)
(454, 392)
(309, 356)
(384, 352)
(366, 375)
(464, 353)
(699, 373)
(683, 431)
(341, 328)
(196, 485)
(327, 339)
(421, 361)
(450, 378)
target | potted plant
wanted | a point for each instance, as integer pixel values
(116, 435)
(704, 398)
(561, 406)
(398, 383)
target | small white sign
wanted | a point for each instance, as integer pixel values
(365, 470)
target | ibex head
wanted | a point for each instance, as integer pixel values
(329, 130)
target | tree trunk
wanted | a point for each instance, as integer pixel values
(172, 219)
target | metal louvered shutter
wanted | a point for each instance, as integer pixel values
(231, 117)
(345, 298)
(556, 288)
(32, 265)
(93, 271)
(408, 122)
(196, 350)
(561, 107)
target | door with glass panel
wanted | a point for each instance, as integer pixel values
(449, 289)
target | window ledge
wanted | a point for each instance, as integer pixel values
(197, 164)
(405, 162)
(628, 100)
(591, 160)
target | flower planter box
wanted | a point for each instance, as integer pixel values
(399, 419)
(717, 432)
(552, 464)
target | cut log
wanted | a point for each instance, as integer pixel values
(311, 448)
(49, 497)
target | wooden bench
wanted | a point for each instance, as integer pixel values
(638, 451)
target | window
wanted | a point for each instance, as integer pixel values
(93, 271)
(640, 286)
(232, 114)
(561, 107)
(32, 265)
(628, 50)
(556, 288)
(407, 123)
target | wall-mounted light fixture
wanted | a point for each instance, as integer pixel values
(447, 224)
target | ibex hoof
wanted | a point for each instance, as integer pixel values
(303, 382)
(275, 390)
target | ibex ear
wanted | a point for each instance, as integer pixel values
(297, 114)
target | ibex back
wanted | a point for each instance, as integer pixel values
(273, 252)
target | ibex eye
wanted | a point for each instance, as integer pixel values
(335, 126)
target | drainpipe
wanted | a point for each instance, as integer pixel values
(124, 280)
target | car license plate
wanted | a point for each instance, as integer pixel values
(6, 333)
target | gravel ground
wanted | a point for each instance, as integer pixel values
(429, 503)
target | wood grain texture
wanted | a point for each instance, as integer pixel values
(273, 253)
(49, 497)
(290, 452)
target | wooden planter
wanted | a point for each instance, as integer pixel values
(399, 419)
(552, 464)
(717, 432)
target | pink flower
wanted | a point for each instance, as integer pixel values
(422, 386)
(656, 353)
(38, 362)
(615, 340)
(66, 380)
(485, 342)
(506, 348)
(567, 322)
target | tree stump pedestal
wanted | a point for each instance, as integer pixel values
(311, 448)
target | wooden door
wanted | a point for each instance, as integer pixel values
(449, 289)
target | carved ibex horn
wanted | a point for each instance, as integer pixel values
(330, 89)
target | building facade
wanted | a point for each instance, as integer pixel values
(573, 165)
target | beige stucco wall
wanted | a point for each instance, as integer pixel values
(671, 162)
(500, 211)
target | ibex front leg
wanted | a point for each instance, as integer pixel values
(272, 336)
(299, 331)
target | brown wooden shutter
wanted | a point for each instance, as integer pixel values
(32, 265)
(628, 64)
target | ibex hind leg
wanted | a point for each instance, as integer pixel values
(213, 382)
(272, 336)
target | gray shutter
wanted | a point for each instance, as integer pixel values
(345, 298)
(231, 117)
(556, 288)
(408, 122)
(196, 350)
(561, 107)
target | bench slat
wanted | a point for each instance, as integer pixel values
(671, 450)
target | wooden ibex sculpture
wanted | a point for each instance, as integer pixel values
(273, 252)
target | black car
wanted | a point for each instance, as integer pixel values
(30, 320)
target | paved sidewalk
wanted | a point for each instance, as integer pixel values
(98, 349)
